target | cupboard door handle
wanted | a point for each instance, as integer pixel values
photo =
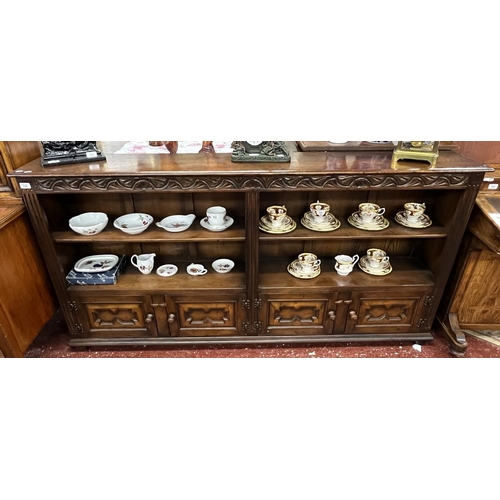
(353, 315)
(171, 318)
(149, 318)
(347, 301)
(331, 315)
(339, 301)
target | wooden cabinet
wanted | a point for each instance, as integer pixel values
(472, 296)
(258, 301)
(14, 154)
(27, 299)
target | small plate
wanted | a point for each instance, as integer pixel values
(422, 221)
(167, 270)
(227, 223)
(96, 263)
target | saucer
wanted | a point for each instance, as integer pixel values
(422, 221)
(294, 270)
(330, 223)
(381, 271)
(266, 226)
(167, 270)
(380, 222)
(227, 223)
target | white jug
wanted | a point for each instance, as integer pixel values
(144, 262)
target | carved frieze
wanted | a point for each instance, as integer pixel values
(273, 182)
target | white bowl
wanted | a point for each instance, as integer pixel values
(133, 223)
(222, 265)
(89, 223)
(176, 223)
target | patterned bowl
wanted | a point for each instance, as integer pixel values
(89, 223)
(133, 223)
(223, 265)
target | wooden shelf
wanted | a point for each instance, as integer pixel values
(406, 273)
(155, 234)
(347, 232)
(182, 282)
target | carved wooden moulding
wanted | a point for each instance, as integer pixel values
(151, 183)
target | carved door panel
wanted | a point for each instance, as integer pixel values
(204, 318)
(298, 315)
(387, 312)
(112, 317)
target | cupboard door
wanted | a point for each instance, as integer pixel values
(299, 316)
(386, 312)
(204, 318)
(113, 317)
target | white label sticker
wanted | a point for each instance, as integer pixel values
(25, 185)
(488, 179)
(495, 217)
(492, 186)
(91, 154)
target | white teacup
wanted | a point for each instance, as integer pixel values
(144, 262)
(377, 257)
(308, 262)
(277, 214)
(345, 264)
(216, 216)
(369, 211)
(196, 269)
(319, 210)
(414, 210)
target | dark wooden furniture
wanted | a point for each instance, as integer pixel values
(259, 301)
(27, 299)
(472, 296)
(14, 154)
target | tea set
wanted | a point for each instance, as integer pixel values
(277, 221)
(306, 266)
(369, 217)
(319, 218)
(375, 262)
(413, 216)
(216, 219)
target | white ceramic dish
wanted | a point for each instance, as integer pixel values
(196, 269)
(133, 223)
(167, 270)
(176, 223)
(222, 265)
(89, 223)
(96, 263)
